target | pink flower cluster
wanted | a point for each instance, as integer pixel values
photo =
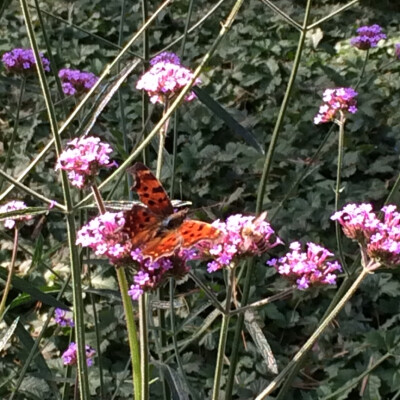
(307, 268)
(14, 206)
(165, 79)
(335, 100)
(61, 318)
(76, 82)
(151, 274)
(104, 234)
(70, 355)
(242, 235)
(83, 159)
(22, 61)
(380, 238)
(368, 36)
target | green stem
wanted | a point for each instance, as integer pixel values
(286, 17)
(15, 128)
(144, 347)
(74, 257)
(318, 332)
(260, 199)
(223, 336)
(132, 334)
(99, 199)
(395, 188)
(161, 143)
(10, 273)
(338, 229)
(362, 69)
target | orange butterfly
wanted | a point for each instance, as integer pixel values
(154, 226)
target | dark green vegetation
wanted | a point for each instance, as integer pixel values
(219, 173)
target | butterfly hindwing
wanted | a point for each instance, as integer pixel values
(163, 246)
(150, 190)
(193, 231)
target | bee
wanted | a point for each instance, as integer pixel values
(252, 236)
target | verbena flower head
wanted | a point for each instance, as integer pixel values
(22, 61)
(380, 238)
(83, 158)
(368, 36)
(13, 206)
(151, 274)
(310, 268)
(165, 79)
(75, 82)
(60, 316)
(397, 50)
(335, 100)
(242, 236)
(70, 355)
(104, 235)
(166, 56)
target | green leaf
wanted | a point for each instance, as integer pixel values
(175, 381)
(221, 113)
(7, 335)
(36, 294)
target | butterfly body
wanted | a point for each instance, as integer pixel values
(154, 227)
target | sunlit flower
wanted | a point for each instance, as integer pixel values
(166, 78)
(75, 82)
(22, 61)
(242, 236)
(335, 100)
(368, 36)
(104, 234)
(309, 268)
(83, 158)
(70, 356)
(14, 206)
(380, 238)
(61, 318)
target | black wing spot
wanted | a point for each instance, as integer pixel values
(147, 219)
(152, 202)
(141, 226)
(157, 189)
(200, 228)
(185, 232)
(192, 235)
(145, 188)
(146, 195)
(162, 199)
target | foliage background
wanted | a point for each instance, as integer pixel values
(220, 173)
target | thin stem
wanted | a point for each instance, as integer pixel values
(260, 200)
(99, 199)
(362, 69)
(10, 273)
(395, 188)
(223, 336)
(74, 257)
(161, 143)
(144, 347)
(318, 332)
(132, 334)
(15, 128)
(286, 17)
(338, 229)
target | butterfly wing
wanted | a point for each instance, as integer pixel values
(162, 246)
(141, 225)
(150, 190)
(193, 231)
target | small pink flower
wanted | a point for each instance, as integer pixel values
(307, 269)
(13, 206)
(83, 158)
(242, 236)
(335, 100)
(70, 355)
(166, 78)
(104, 234)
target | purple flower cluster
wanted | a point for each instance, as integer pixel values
(76, 82)
(13, 206)
(83, 159)
(22, 61)
(104, 234)
(397, 50)
(151, 274)
(70, 355)
(242, 235)
(307, 269)
(60, 317)
(380, 239)
(165, 79)
(336, 100)
(368, 36)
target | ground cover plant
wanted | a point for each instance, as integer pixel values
(198, 200)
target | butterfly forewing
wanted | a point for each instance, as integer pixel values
(150, 190)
